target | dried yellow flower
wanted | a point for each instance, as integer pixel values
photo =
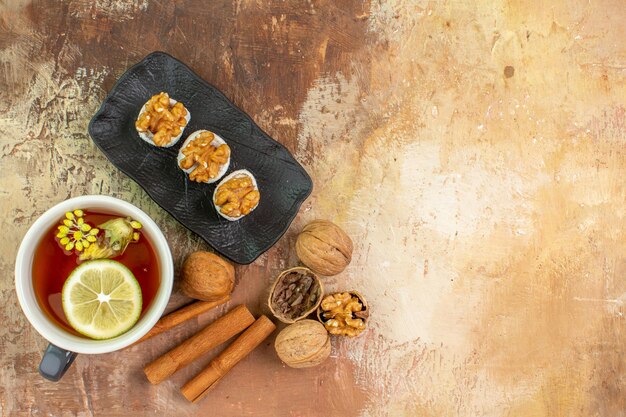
(74, 233)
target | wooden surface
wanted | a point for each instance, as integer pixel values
(474, 150)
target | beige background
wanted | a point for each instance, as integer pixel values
(486, 203)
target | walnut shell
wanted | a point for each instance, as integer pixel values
(206, 276)
(343, 328)
(303, 344)
(324, 247)
(296, 293)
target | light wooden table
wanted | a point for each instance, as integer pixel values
(474, 150)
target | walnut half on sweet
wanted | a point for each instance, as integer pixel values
(204, 156)
(162, 120)
(236, 195)
(343, 314)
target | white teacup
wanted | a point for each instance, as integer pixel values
(63, 345)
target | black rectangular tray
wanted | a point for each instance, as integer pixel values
(283, 182)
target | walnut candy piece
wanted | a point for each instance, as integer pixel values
(204, 156)
(162, 120)
(237, 195)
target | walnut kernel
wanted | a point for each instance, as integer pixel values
(237, 195)
(207, 158)
(343, 314)
(162, 119)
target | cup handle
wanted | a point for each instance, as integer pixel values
(55, 362)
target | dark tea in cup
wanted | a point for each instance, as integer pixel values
(53, 262)
(93, 274)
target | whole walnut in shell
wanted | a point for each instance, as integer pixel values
(324, 247)
(206, 276)
(303, 344)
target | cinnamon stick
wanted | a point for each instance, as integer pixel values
(199, 386)
(182, 314)
(206, 339)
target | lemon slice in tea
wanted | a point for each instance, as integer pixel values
(101, 299)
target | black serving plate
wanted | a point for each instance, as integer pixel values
(282, 181)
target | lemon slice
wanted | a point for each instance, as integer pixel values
(101, 299)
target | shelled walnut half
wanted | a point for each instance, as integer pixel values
(237, 195)
(344, 314)
(162, 120)
(296, 293)
(204, 156)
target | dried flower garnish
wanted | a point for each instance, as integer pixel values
(108, 240)
(116, 235)
(74, 233)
